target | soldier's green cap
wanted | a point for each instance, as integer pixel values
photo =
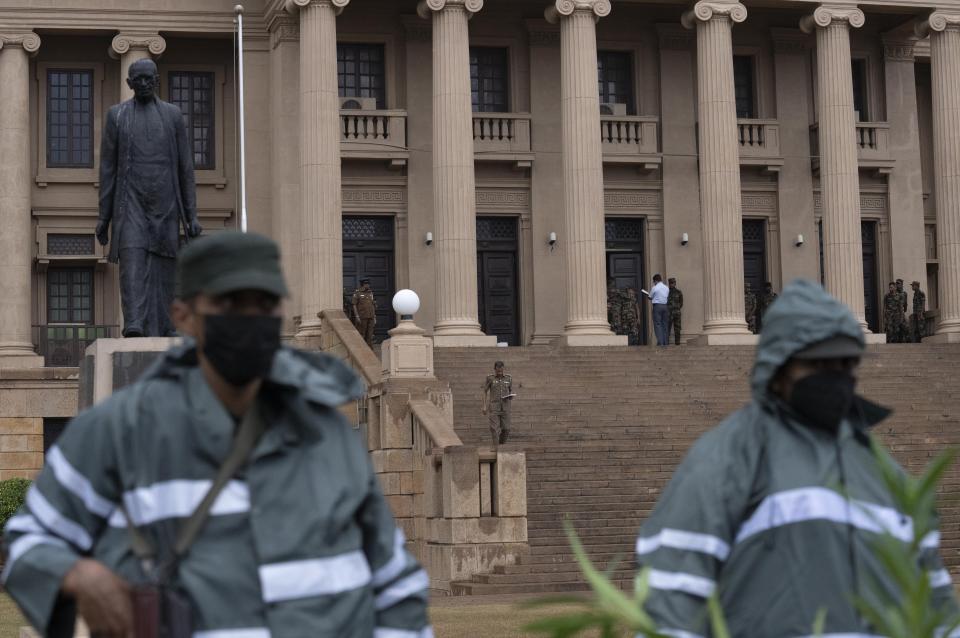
(229, 261)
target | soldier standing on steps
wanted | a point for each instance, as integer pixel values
(905, 334)
(675, 306)
(892, 315)
(615, 300)
(750, 307)
(365, 311)
(630, 316)
(497, 399)
(918, 322)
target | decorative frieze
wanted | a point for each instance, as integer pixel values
(283, 28)
(759, 202)
(360, 198)
(648, 201)
(869, 203)
(543, 34)
(899, 50)
(501, 199)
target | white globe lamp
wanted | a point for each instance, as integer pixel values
(406, 303)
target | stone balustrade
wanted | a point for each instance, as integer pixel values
(463, 509)
(872, 143)
(380, 134)
(629, 135)
(501, 132)
(758, 138)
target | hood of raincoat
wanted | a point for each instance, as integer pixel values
(320, 378)
(804, 314)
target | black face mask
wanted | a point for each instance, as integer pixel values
(241, 347)
(823, 398)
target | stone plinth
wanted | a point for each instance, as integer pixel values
(110, 364)
(407, 353)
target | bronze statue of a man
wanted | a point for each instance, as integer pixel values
(147, 190)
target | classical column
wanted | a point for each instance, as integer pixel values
(454, 188)
(16, 266)
(944, 30)
(321, 243)
(839, 168)
(719, 170)
(582, 162)
(130, 46)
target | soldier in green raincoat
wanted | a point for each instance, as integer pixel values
(776, 508)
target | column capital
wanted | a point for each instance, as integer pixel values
(939, 21)
(898, 48)
(827, 14)
(425, 8)
(127, 40)
(26, 40)
(563, 8)
(707, 10)
(293, 6)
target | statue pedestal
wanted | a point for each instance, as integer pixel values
(110, 364)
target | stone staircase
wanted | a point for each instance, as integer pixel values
(604, 428)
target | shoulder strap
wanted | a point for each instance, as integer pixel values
(251, 427)
(248, 434)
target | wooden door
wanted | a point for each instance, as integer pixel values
(497, 277)
(368, 253)
(624, 237)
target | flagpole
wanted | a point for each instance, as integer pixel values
(243, 148)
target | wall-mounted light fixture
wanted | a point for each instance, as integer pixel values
(684, 239)
(799, 241)
(428, 240)
(552, 240)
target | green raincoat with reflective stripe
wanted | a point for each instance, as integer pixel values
(755, 512)
(300, 543)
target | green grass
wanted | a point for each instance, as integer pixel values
(500, 620)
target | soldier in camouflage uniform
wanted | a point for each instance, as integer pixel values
(750, 307)
(364, 311)
(905, 335)
(675, 306)
(615, 300)
(497, 399)
(892, 314)
(630, 316)
(767, 298)
(918, 321)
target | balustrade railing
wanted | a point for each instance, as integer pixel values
(370, 130)
(873, 144)
(758, 138)
(629, 134)
(501, 132)
(63, 346)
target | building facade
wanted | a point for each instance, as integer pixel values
(501, 157)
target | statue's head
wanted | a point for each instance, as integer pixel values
(143, 79)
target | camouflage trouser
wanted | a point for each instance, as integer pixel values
(499, 423)
(894, 329)
(752, 323)
(918, 327)
(365, 328)
(675, 325)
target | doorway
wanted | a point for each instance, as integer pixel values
(624, 237)
(368, 253)
(868, 237)
(497, 277)
(755, 259)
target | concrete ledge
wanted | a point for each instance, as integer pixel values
(21, 361)
(943, 337)
(464, 341)
(595, 341)
(726, 340)
(873, 339)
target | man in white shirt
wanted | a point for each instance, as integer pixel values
(661, 314)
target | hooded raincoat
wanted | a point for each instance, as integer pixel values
(300, 543)
(775, 516)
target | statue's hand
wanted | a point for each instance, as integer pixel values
(103, 236)
(195, 228)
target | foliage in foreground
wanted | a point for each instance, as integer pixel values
(916, 613)
(12, 494)
(913, 615)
